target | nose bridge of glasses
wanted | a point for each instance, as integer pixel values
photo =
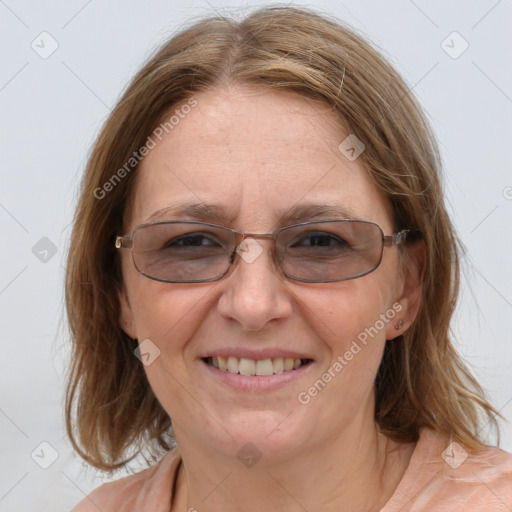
(242, 236)
(249, 248)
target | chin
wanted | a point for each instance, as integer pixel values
(270, 435)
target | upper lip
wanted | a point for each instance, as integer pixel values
(256, 354)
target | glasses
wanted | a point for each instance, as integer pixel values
(311, 252)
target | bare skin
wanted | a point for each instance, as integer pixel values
(259, 153)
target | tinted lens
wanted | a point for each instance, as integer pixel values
(315, 252)
(330, 251)
(182, 251)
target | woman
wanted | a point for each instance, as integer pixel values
(261, 255)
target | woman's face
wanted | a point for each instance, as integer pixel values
(256, 154)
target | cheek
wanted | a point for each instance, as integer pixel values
(158, 311)
(168, 316)
(351, 319)
(348, 310)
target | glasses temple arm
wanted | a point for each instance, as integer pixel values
(397, 238)
(123, 242)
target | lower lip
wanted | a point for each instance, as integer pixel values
(256, 382)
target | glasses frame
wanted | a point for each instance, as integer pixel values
(127, 242)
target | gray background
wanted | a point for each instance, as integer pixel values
(52, 108)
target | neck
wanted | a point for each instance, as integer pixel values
(355, 471)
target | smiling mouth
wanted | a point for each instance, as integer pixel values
(257, 367)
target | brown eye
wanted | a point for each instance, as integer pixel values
(321, 240)
(192, 240)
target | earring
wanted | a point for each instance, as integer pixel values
(398, 326)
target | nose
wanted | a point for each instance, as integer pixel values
(254, 292)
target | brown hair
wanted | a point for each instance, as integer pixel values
(111, 411)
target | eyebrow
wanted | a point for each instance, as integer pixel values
(219, 214)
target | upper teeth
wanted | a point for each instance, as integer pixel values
(255, 367)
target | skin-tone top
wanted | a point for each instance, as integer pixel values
(441, 477)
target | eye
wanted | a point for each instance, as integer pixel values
(321, 240)
(191, 240)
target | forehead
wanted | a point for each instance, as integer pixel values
(255, 154)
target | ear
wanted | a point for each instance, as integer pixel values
(126, 315)
(409, 293)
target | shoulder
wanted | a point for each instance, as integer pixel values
(487, 474)
(461, 480)
(153, 484)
